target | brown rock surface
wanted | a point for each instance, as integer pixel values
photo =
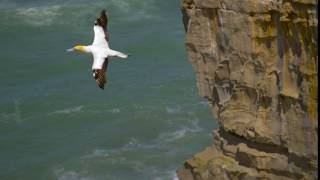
(256, 63)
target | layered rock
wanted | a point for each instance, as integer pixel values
(256, 63)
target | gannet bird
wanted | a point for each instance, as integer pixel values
(100, 49)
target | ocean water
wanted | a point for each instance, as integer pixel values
(55, 123)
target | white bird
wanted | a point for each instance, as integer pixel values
(100, 50)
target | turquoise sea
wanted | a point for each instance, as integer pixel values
(55, 123)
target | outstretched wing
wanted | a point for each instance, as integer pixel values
(101, 35)
(101, 38)
(102, 21)
(101, 74)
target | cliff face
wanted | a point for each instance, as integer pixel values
(256, 63)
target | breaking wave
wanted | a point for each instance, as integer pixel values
(168, 137)
(170, 175)
(39, 16)
(65, 13)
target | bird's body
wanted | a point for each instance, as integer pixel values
(100, 50)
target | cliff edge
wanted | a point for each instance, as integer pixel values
(256, 62)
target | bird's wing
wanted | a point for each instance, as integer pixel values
(100, 74)
(102, 21)
(99, 37)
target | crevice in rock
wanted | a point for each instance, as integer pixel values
(235, 140)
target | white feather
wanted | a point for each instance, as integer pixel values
(99, 37)
(100, 48)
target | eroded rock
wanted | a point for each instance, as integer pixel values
(256, 63)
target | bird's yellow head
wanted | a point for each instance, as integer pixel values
(79, 48)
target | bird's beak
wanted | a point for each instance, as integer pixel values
(70, 50)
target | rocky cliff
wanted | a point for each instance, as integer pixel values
(256, 63)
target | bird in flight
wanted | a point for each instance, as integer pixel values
(100, 50)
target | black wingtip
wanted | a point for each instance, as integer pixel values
(101, 87)
(103, 12)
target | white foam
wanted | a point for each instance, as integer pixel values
(122, 5)
(103, 153)
(195, 125)
(69, 110)
(61, 174)
(97, 153)
(172, 136)
(173, 110)
(75, 12)
(134, 14)
(115, 110)
(203, 103)
(190, 126)
(174, 175)
(171, 174)
(15, 116)
(134, 144)
(39, 16)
